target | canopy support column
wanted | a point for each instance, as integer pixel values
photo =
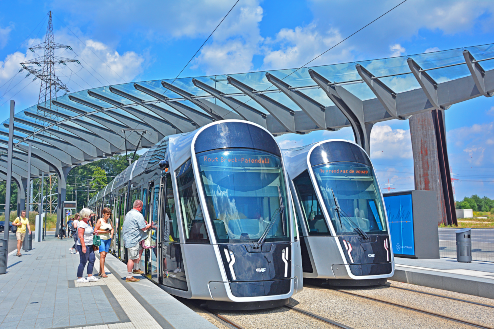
(62, 192)
(351, 106)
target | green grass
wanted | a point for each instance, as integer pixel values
(475, 222)
(51, 219)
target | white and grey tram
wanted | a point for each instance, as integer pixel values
(225, 220)
(343, 225)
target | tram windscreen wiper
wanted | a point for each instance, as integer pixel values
(340, 211)
(281, 211)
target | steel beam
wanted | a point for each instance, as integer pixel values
(62, 193)
(312, 108)
(179, 122)
(78, 148)
(216, 111)
(200, 119)
(352, 107)
(35, 163)
(245, 111)
(477, 72)
(284, 115)
(102, 132)
(151, 137)
(85, 141)
(28, 196)
(162, 127)
(8, 190)
(386, 96)
(426, 82)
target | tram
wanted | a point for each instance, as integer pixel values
(225, 228)
(344, 231)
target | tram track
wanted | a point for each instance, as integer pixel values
(442, 296)
(317, 317)
(223, 318)
(476, 325)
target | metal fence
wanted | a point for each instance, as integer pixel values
(482, 244)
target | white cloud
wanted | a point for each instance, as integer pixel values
(448, 16)
(432, 50)
(4, 35)
(396, 50)
(234, 44)
(476, 154)
(474, 143)
(100, 65)
(295, 47)
(491, 111)
(288, 143)
(389, 143)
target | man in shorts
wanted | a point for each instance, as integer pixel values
(133, 232)
(21, 223)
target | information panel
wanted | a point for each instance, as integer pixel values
(400, 218)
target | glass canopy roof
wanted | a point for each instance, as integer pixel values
(140, 114)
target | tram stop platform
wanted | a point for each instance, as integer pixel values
(475, 278)
(39, 291)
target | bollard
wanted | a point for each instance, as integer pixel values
(4, 251)
(464, 245)
(28, 242)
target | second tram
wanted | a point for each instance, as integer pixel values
(343, 225)
(225, 228)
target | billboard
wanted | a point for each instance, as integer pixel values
(400, 218)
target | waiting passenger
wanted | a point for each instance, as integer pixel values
(104, 229)
(85, 247)
(21, 223)
(133, 232)
(73, 229)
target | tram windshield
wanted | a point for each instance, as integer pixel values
(351, 197)
(245, 195)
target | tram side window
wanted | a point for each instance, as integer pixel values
(145, 202)
(135, 195)
(311, 209)
(194, 225)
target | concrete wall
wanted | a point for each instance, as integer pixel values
(464, 213)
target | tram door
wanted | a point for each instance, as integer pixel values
(172, 272)
(152, 264)
(121, 246)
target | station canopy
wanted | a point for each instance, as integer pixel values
(97, 123)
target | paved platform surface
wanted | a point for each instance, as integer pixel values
(39, 291)
(475, 278)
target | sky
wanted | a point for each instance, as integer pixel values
(121, 41)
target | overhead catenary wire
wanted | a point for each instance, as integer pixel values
(96, 57)
(190, 60)
(336, 45)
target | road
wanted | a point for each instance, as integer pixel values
(482, 243)
(478, 234)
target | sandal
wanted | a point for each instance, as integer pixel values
(104, 276)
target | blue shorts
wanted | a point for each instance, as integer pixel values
(105, 245)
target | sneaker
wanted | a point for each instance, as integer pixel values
(137, 272)
(132, 279)
(92, 279)
(81, 280)
(176, 270)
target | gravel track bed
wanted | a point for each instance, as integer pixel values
(282, 318)
(445, 293)
(357, 312)
(207, 315)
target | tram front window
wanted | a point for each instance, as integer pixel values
(245, 195)
(351, 197)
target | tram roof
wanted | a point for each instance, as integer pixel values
(91, 124)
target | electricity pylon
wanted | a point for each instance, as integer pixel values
(43, 67)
